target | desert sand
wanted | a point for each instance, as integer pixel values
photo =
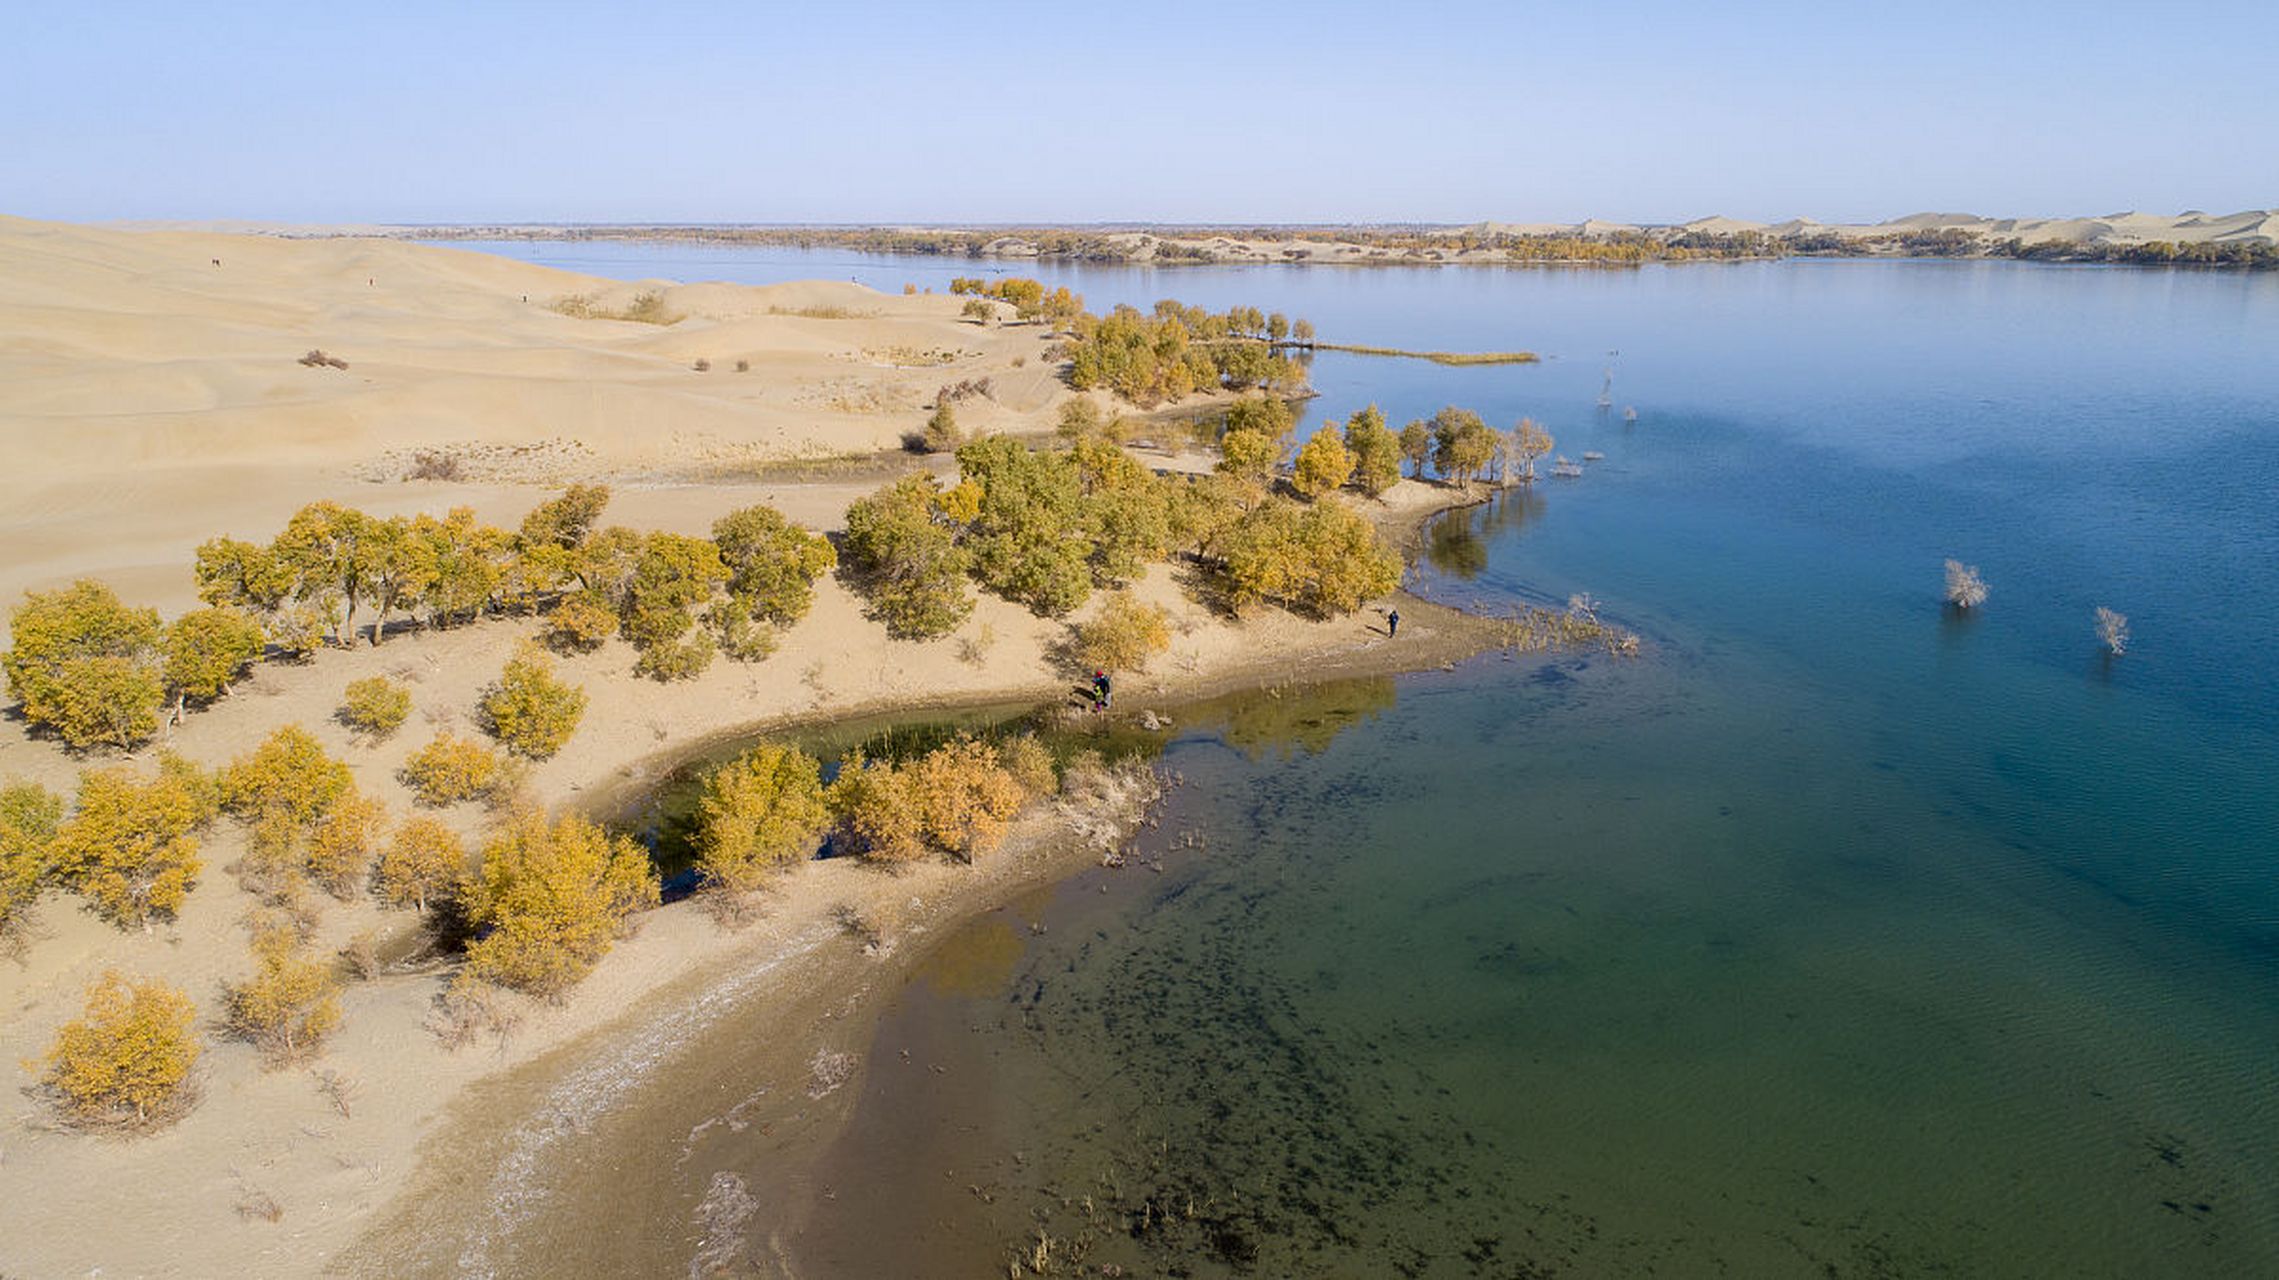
(151, 398)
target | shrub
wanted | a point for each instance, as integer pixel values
(905, 550)
(126, 1060)
(683, 659)
(86, 665)
(1324, 465)
(451, 769)
(737, 633)
(207, 649)
(877, 811)
(958, 798)
(1079, 418)
(375, 706)
(942, 433)
(289, 1005)
(1123, 635)
(29, 816)
(581, 622)
(966, 797)
(530, 710)
(341, 844)
(1965, 589)
(760, 811)
(1029, 763)
(130, 845)
(422, 865)
(978, 310)
(772, 564)
(549, 900)
(288, 774)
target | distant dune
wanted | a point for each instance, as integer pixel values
(2249, 238)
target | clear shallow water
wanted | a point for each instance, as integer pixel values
(1835, 934)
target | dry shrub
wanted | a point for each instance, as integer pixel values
(468, 1008)
(701, 365)
(362, 956)
(126, 1062)
(315, 358)
(435, 464)
(2112, 630)
(1965, 589)
(964, 389)
(254, 1203)
(339, 1090)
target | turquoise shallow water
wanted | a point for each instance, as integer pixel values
(1835, 936)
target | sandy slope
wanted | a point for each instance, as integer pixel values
(150, 400)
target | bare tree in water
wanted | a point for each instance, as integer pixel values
(1965, 589)
(2113, 630)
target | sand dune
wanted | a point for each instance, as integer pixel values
(152, 398)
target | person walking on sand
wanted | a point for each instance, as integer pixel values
(1392, 624)
(1103, 693)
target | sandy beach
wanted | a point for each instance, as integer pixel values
(152, 396)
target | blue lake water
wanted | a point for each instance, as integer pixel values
(1836, 935)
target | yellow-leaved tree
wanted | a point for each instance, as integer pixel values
(761, 811)
(424, 864)
(1123, 635)
(131, 846)
(284, 790)
(289, 1005)
(549, 898)
(125, 1062)
(1323, 466)
(87, 666)
(29, 816)
(530, 710)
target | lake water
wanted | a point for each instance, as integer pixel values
(1834, 936)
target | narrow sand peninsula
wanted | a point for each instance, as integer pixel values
(151, 397)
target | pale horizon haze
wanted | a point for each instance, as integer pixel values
(682, 112)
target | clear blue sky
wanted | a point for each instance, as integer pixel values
(412, 111)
